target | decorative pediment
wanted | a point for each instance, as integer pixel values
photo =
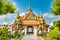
(30, 16)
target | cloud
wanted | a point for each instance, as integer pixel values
(14, 3)
(22, 14)
(2, 18)
(8, 17)
(50, 17)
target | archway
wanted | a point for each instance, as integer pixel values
(30, 30)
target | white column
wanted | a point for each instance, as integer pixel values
(35, 31)
(25, 30)
(11, 29)
(48, 29)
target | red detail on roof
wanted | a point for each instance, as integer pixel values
(46, 25)
(12, 25)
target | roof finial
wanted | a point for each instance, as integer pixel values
(29, 6)
(41, 15)
(18, 14)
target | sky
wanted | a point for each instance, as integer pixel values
(37, 6)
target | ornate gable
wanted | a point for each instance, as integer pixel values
(30, 16)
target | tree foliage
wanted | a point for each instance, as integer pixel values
(6, 7)
(56, 7)
(57, 24)
(54, 33)
(4, 31)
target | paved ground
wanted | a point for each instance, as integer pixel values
(30, 37)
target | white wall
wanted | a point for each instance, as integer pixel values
(35, 30)
(25, 30)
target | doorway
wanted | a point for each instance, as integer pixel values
(30, 30)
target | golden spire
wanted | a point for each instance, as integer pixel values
(41, 15)
(29, 6)
(18, 15)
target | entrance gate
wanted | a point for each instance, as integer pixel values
(30, 30)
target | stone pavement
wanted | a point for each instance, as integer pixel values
(30, 37)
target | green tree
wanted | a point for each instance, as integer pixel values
(6, 7)
(54, 34)
(56, 7)
(4, 33)
(55, 30)
(57, 24)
